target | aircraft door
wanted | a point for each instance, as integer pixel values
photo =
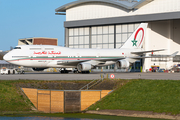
(98, 55)
(78, 56)
(32, 55)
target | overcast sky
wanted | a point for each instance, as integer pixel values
(30, 18)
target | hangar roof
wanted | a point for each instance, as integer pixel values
(128, 4)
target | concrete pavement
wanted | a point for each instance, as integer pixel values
(91, 76)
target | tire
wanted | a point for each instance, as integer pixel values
(85, 72)
(76, 71)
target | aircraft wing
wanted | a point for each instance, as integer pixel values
(97, 60)
(102, 60)
(110, 59)
(71, 62)
(142, 52)
(140, 57)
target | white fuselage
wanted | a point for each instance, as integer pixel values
(45, 56)
(42, 56)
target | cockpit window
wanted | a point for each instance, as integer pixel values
(17, 48)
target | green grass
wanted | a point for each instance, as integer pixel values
(11, 98)
(139, 95)
(144, 95)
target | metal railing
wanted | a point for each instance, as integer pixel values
(91, 84)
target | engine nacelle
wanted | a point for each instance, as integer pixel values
(38, 69)
(122, 64)
(84, 67)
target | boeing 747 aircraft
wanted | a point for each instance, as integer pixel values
(48, 56)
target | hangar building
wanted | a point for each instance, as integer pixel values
(109, 23)
(38, 41)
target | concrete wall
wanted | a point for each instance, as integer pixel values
(55, 101)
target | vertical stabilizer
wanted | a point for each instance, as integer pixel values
(137, 38)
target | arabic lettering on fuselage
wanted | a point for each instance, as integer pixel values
(48, 53)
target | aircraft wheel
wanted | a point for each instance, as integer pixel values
(60, 70)
(76, 71)
(85, 72)
(64, 71)
(22, 72)
(9, 72)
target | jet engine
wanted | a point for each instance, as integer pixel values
(38, 69)
(84, 67)
(122, 64)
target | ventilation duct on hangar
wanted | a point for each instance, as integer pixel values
(24, 42)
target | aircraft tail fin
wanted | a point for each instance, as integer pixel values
(137, 38)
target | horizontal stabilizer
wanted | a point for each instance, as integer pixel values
(174, 54)
(142, 52)
(159, 56)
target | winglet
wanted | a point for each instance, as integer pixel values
(174, 54)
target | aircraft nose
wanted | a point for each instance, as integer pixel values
(6, 57)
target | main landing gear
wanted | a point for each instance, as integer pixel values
(63, 70)
(82, 72)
